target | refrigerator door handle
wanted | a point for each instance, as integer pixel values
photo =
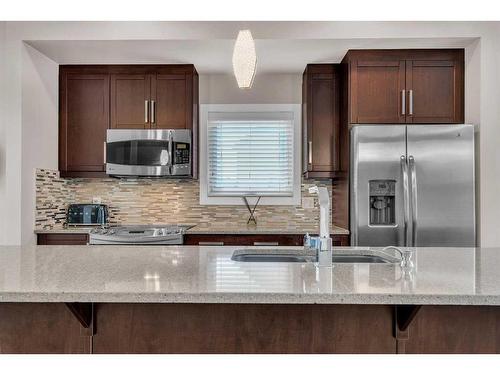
(403, 102)
(413, 174)
(406, 198)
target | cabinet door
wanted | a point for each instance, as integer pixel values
(322, 123)
(62, 239)
(172, 95)
(84, 118)
(435, 91)
(130, 94)
(377, 92)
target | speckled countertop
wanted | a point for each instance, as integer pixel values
(61, 230)
(191, 274)
(218, 229)
(238, 229)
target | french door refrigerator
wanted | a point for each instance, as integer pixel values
(412, 185)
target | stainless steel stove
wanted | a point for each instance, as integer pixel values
(139, 235)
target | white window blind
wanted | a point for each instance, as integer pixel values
(250, 154)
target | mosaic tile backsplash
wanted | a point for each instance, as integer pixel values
(149, 201)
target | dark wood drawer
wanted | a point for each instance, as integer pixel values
(254, 239)
(62, 239)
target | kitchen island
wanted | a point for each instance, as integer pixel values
(190, 299)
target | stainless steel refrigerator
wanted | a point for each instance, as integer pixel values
(412, 185)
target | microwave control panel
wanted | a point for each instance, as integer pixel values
(181, 153)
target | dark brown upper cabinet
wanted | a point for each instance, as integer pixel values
(320, 120)
(94, 98)
(130, 96)
(83, 120)
(172, 95)
(405, 86)
(151, 101)
(377, 89)
(435, 90)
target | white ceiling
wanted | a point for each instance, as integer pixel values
(214, 55)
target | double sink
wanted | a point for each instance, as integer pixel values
(304, 256)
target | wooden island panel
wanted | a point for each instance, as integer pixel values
(455, 330)
(248, 328)
(41, 328)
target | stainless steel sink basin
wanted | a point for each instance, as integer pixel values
(279, 255)
(272, 258)
(366, 258)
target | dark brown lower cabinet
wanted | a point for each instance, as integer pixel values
(254, 239)
(62, 239)
(41, 328)
(246, 328)
(202, 239)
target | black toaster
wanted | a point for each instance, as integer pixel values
(87, 214)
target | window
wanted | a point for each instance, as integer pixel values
(250, 150)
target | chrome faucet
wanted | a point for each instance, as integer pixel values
(323, 244)
(406, 261)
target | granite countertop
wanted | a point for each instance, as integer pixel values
(61, 230)
(218, 229)
(191, 274)
(249, 229)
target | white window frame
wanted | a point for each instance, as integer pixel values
(205, 109)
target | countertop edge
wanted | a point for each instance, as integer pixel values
(251, 298)
(208, 231)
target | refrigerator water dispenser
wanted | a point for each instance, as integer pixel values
(382, 202)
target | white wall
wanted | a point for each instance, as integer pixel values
(2, 125)
(473, 114)
(267, 89)
(482, 78)
(10, 179)
(490, 139)
(39, 130)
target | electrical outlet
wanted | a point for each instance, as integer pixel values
(307, 202)
(96, 200)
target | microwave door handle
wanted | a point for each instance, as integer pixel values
(404, 173)
(413, 179)
(171, 148)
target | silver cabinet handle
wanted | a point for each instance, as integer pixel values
(410, 94)
(403, 102)
(413, 174)
(153, 112)
(406, 198)
(266, 244)
(209, 243)
(146, 117)
(104, 152)
(310, 152)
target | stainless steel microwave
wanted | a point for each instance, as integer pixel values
(148, 153)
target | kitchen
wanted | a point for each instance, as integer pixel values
(367, 225)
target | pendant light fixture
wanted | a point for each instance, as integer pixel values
(244, 59)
